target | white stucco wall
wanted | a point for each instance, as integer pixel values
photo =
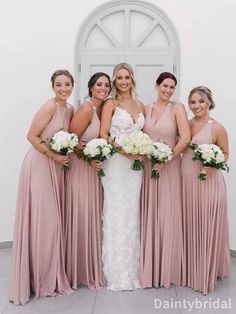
(37, 38)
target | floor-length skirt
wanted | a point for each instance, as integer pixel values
(84, 199)
(38, 247)
(205, 225)
(121, 223)
(161, 227)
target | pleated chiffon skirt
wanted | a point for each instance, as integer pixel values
(205, 226)
(38, 248)
(161, 227)
(83, 225)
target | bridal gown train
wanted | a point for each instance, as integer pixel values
(121, 212)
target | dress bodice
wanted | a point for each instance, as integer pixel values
(60, 120)
(164, 129)
(122, 124)
(204, 135)
(92, 130)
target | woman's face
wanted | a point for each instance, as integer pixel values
(198, 105)
(62, 87)
(101, 89)
(123, 80)
(166, 89)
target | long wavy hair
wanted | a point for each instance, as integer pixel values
(114, 90)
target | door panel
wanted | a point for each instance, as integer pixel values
(91, 63)
(147, 67)
(128, 31)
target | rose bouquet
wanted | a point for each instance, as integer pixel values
(161, 154)
(63, 143)
(98, 149)
(210, 155)
(138, 143)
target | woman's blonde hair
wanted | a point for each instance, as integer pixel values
(205, 93)
(114, 91)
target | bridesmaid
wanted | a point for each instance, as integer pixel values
(161, 206)
(84, 194)
(38, 257)
(206, 242)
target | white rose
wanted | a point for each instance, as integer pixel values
(220, 157)
(56, 146)
(128, 149)
(208, 155)
(106, 151)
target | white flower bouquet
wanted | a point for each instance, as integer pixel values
(138, 143)
(210, 155)
(161, 154)
(63, 143)
(98, 149)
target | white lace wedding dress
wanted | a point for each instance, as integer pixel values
(121, 216)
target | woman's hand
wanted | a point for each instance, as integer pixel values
(208, 170)
(96, 164)
(135, 157)
(62, 160)
(158, 167)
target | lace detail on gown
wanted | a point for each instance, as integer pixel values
(121, 216)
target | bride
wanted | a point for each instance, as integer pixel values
(122, 114)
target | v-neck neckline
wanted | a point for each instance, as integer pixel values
(163, 113)
(210, 121)
(134, 122)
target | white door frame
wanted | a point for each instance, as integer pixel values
(85, 53)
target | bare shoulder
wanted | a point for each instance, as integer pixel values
(141, 106)
(147, 108)
(218, 128)
(71, 108)
(49, 105)
(85, 107)
(109, 104)
(178, 107)
(47, 109)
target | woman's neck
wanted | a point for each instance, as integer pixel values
(97, 103)
(203, 119)
(60, 102)
(125, 96)
(161, 102)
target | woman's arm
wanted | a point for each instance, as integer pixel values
(222, 139)
(107, 113)
(81, 119)
(183, 129)
(40, 121)
(142, 108)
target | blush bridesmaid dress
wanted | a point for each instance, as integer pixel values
(161, 207)
(205, 223)
(84, 199)
(38, 246)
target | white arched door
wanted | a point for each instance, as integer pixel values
(127, 31)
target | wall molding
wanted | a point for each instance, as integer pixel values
(6, 245)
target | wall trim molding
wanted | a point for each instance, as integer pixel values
(233, 253)
(6, 245)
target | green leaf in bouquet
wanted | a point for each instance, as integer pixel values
(137, 165)
(155, 174)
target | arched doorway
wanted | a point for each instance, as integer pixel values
(127, 31)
